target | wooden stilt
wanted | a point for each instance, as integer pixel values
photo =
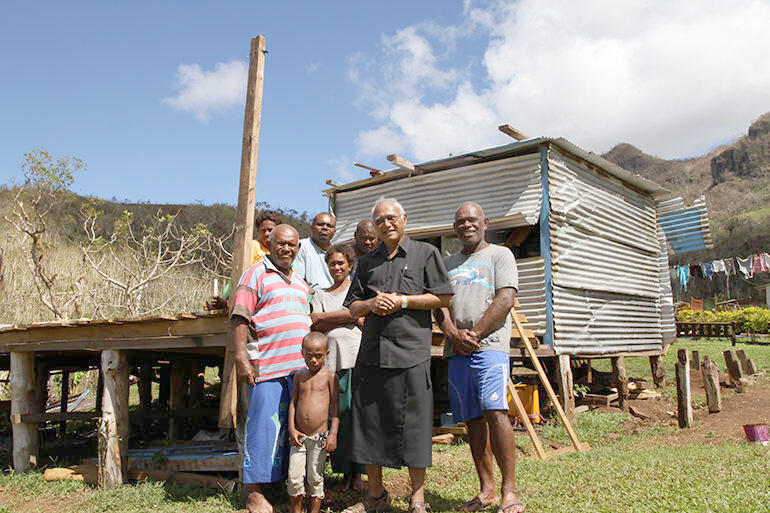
(244, 215)
(565, 384)
(113, 428)
(620, 379)
(658, 371)
(178, 399)
(711, 385)
(145, 384)
(683, 394)
(24, 400)
(164, 388)
(65, 397)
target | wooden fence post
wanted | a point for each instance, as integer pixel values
(711, 385)
(24, 401)
(695, 360)
(113, 428)
(734, 371)
(621, 380)
(743, 360)
(683, 395)
(658, 370)
(566, 386)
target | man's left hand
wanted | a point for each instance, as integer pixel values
(386, 303)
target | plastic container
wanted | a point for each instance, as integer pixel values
(446, 419)
(530, 398)
(757, 433)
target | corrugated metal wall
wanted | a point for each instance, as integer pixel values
(503, 188)
(686, 229)
(532, 293)
(667, 321)
(604, 252)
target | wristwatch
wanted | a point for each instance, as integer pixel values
(404, 303)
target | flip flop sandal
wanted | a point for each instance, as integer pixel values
(369, 505)
(475, 504)
(505, 509)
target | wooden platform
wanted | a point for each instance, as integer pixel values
(186, 457)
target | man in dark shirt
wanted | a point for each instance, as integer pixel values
(395, 287)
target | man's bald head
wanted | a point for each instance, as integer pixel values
(284, 229)
(365, 237)
(470, 205)
(284, 244)
(471, 226)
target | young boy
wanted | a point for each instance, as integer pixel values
(311, 436)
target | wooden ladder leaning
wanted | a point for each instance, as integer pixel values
(541, 454)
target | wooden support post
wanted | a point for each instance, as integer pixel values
(178, 399)
(244, 214)
(620, 380)
(164, 388)
(683, 394)
(197, 371)
(65, 397)
(658, 371)
(743, 360)
(145, 384)
(42, 385)
(565, 384)
(752, 367)
(99, 388)
(695, 365)
(113, 428)
(24, 400)
(734, 371)
(711, 385)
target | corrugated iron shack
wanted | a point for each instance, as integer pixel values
(592, 239)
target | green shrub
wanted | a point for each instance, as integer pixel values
(750, 320)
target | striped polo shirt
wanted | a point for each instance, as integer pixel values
(278, 308)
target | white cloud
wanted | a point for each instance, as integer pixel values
(674, 78)
(205, 93)
(313, 67)
(343, 166)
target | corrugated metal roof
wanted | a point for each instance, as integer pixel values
(512, 149)
(686, 229)
(504, 188)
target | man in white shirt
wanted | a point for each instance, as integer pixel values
(310, 264)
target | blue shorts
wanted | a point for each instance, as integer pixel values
(266, 444)
(478, 382)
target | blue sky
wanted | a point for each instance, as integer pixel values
(349, 81)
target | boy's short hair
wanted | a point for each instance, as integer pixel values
(345, 249)
(315, 335)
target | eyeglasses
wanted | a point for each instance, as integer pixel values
(390, 219)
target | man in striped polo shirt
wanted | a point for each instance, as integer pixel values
(269, 319)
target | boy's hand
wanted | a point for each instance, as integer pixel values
(295, 437)
(331, 443)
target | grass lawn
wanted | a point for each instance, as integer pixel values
(629, 469)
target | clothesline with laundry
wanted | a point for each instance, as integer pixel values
(758, 263)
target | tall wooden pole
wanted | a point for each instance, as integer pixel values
(113, 428)
(244, 214)
(24, 396)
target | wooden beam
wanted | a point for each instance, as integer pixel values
(244, 214)
(178, 399)
(512, 132)
(565, 385)
(24, 402)
(683, 393)
(145, 384)
(620, 379)
(373, 171)
(53, 417)
(403, 164)
(113, 431)
(164, 388)
(711, 385)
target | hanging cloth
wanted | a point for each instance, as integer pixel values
(744, 264)
(696, 271)
(683, 272)
(758, 263)
(729, 266)
(719, 266)
(708, 269)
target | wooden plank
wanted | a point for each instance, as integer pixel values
(565, 385)
(683, 393)
(512, 132)
(566, 450)
(455, 430)
(38, 417)
(373, 171)
(113, 430)
(444, 439)
(24, 402)
(403, 164)
(178, 397)
(600, 399)
(620, 379)
(711, 385)
(658, 370)
(244, 214)
(524, 417)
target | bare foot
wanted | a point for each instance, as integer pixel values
(357, 484)
(256, 503)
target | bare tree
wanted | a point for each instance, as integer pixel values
(46, 178)
(131, 261)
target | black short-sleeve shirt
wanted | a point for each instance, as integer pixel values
(402, 339)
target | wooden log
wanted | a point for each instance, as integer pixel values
(244, 214)
(565, 385)
(711, 385)
(512, 132)
(683, 393)
(658, 370)
(695, 361)
(65, 397)
(743, 360)
(178, 399)
(734, 371)
(113, 429)
(403, 163)
(445, 439)
(620, 379)
(145, 384)
(24, 400)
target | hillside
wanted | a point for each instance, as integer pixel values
(735, 179)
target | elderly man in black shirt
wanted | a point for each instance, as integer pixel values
(395, 287)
